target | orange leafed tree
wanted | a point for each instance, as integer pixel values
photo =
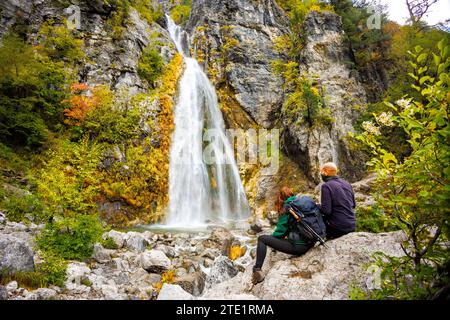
(79, 104)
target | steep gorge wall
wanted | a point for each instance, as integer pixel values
(326, 59)
(234, 39)
(110, 60)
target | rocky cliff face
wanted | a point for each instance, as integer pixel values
(111, 61)
(326, 59)
(235, 40)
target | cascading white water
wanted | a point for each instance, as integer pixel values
(200, 191)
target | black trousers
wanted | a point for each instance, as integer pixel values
(282, 245)
(333, 233)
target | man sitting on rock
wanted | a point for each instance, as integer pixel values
(337, 203)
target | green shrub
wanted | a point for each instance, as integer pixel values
(71, 237)
(402, 280)
(151, 65)
(52, 271)
(109, 122)
(373, 219)
(25, 207)
(180, 14)
(297, 10)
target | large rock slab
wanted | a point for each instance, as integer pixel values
(322, 273)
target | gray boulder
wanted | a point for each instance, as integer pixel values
(194, 283)
(155, 261)
(221, 270)
(15, 254)
(135, 241)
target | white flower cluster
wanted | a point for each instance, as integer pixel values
(371, 128)
(407, 106)
(404, 103)
(385, 119)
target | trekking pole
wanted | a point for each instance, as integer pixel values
(299, 219)
(321, 240)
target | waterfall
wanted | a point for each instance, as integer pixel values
(201, 191)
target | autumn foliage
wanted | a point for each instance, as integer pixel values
(80, 103)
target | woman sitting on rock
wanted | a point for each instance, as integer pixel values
(278, 240)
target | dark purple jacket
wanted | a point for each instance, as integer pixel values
(337, 204)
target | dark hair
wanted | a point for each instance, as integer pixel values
(285, 193)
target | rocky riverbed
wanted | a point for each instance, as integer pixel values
(199, 264)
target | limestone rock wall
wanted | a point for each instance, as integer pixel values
(235, 40)
(326, 59)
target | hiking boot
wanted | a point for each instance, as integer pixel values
(257, 276)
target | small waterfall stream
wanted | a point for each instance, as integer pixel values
(202, 190)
